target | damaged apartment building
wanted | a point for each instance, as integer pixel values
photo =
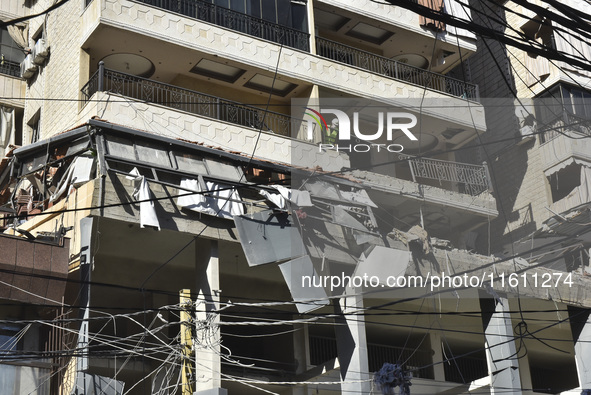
(171, 224)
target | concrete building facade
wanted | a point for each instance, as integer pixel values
(176, 156)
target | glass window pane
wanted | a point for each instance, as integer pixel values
(218, 169)
(299, 17)
(283, 12)
(253, 8)
(269, 12)
(190, 163)
(238, 6)
(587, 104)
(153, 155)
(121, 148)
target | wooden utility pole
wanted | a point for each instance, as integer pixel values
(187, 376)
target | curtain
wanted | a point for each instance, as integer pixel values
(221, 200)
(572, 44)
(459, 10)
(435, 5)
(7, 130)
(148, 216)
(20, 35)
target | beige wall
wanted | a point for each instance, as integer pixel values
(12, 91)
(172, 123)
(294, 64)
(58, 78)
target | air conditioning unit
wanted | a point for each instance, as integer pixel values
(28, 67)
(40, 51)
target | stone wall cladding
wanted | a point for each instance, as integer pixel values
(294, 64)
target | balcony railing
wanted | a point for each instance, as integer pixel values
(234, 20)
(470, 179)
(392, 68)
(563, 123)
(191, 101)
(10, 68)
(323, 349)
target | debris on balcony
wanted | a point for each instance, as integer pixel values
(562, 243)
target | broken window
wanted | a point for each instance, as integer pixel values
(572, 181)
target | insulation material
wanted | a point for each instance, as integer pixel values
(383, 262)
(274, 198)
(360, 197)
(80, 171)
(142, 192)
(297, 197)
(7, 129)
(269, 237)
(221, 200)
(342, 217)
(323, 190)
(296, 273)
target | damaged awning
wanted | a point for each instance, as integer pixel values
(567, 162)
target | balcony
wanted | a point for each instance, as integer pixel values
(177, 112)
(190, 101)
(461, 177)
(10, 68)
(394, 69)
(419, 361)
(237, 21)
(565, 139)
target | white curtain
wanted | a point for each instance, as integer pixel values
(297, 197)
(142, 191)
(572, 44)
(7, 130)
(217, 202)
(461, 11)
(20, 35)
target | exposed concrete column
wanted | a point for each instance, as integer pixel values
(352, 345)
(501, 356)
(207, 342)
(581, 328)
(438, 369)
(301, 355)
(525, 375)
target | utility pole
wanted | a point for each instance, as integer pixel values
(187, 376)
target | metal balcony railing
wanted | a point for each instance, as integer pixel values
(465, 369)
(470, 179)
(563, 123)
(191, 101)
(392, 68)
(323, 349)
(234, 20)
(9, 67)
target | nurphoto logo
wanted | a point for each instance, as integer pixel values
(338, 135)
